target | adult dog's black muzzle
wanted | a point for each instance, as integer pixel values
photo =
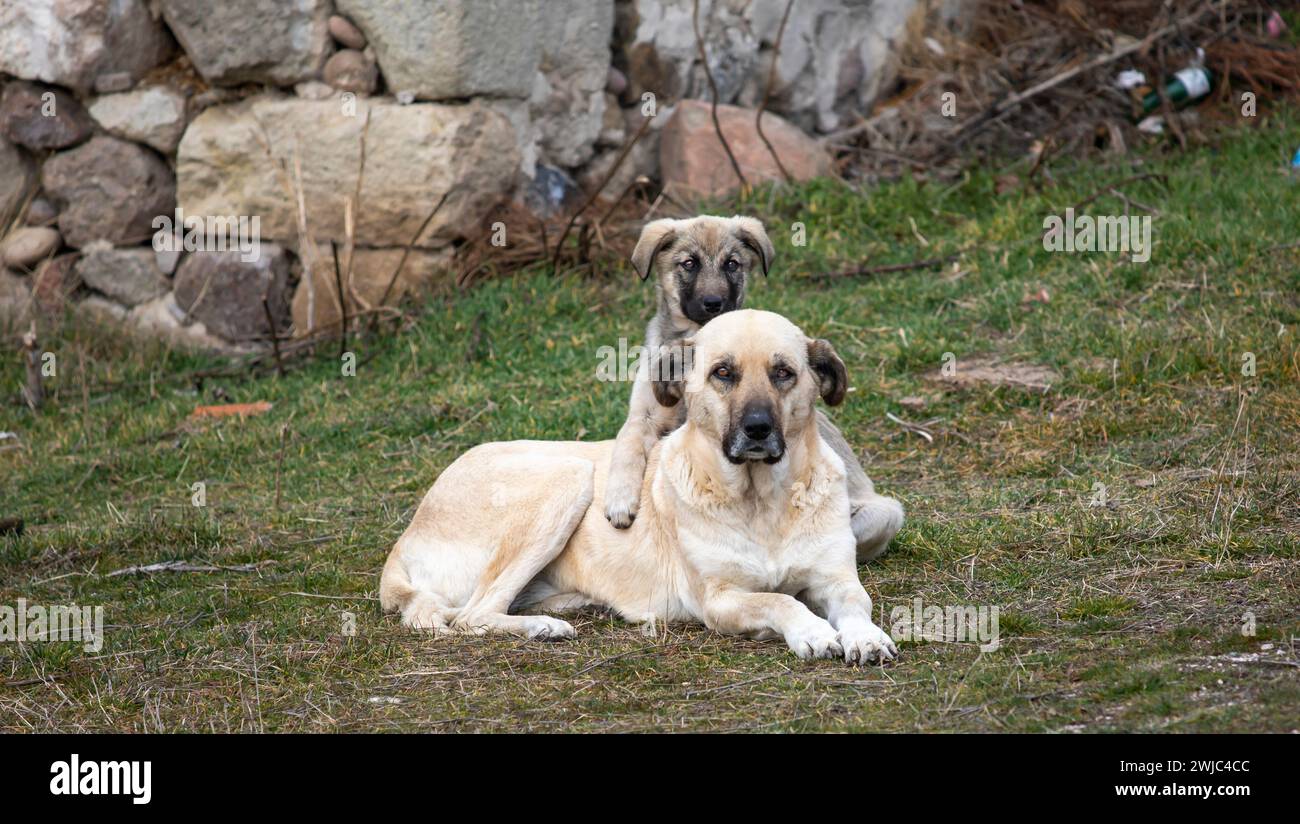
(755, 437)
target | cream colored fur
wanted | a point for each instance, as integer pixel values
(757, 549)
(714, 238)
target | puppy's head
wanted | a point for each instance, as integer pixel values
(752, 382)
(701, 265)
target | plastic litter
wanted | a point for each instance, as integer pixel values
(1154, 124)
(1275, 26)
(1130, 79)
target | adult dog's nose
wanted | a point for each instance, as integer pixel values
(711, 304)
(757, 424)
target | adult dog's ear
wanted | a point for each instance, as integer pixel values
(655, 237)
(832, 377)
(668, 372)
(751, 233)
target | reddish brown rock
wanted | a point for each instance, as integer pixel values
(109, 189)
(694, 163)
(54, 282)
(351, 71)
(346, 33)
(225, 292)
(43, 117)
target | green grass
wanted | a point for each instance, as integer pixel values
(1124, 615)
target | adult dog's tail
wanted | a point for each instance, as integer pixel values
(395, 590)
(420, 610)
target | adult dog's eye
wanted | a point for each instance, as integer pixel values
(722, 373)
(731, 265)
(782, 374)
(689, 264)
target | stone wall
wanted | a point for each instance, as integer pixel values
(136, 137)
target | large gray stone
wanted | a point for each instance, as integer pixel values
(279, 42)
(414, 155)
(128, 276)
(452, 49)
(17, 175)
(43, 117)
(836, 55)
(72, 42)
(154, 116)
(109, 189)
(568, 98)
(224, 292)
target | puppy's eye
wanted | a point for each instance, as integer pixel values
(731, 265)
(689, 264)
(781, 374)
(722, 373)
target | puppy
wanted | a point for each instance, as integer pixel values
(701, 267)
(743, 508)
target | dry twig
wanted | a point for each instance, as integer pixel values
(767, 94)
(34, 389)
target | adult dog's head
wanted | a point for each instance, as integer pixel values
(701, 264)
(751, 383)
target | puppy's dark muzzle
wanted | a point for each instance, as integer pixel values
(703, 309)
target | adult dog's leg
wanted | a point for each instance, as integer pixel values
(537, 531)
(764, 614)
(848, 608)
(875, 518)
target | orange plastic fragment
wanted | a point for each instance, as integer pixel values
(228, 410)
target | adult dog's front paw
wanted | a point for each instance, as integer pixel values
(866, 643)
(621, 503)
(816, 640)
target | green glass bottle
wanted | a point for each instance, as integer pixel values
(1186, 86)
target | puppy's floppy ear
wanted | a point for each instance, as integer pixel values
(668, 372)
(751, 233)
(832, 377)
(655, 237)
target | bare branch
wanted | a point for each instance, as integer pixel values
(767, 94)
(713, 88)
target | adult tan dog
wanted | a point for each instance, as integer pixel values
(702, 266)
(744, 523)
